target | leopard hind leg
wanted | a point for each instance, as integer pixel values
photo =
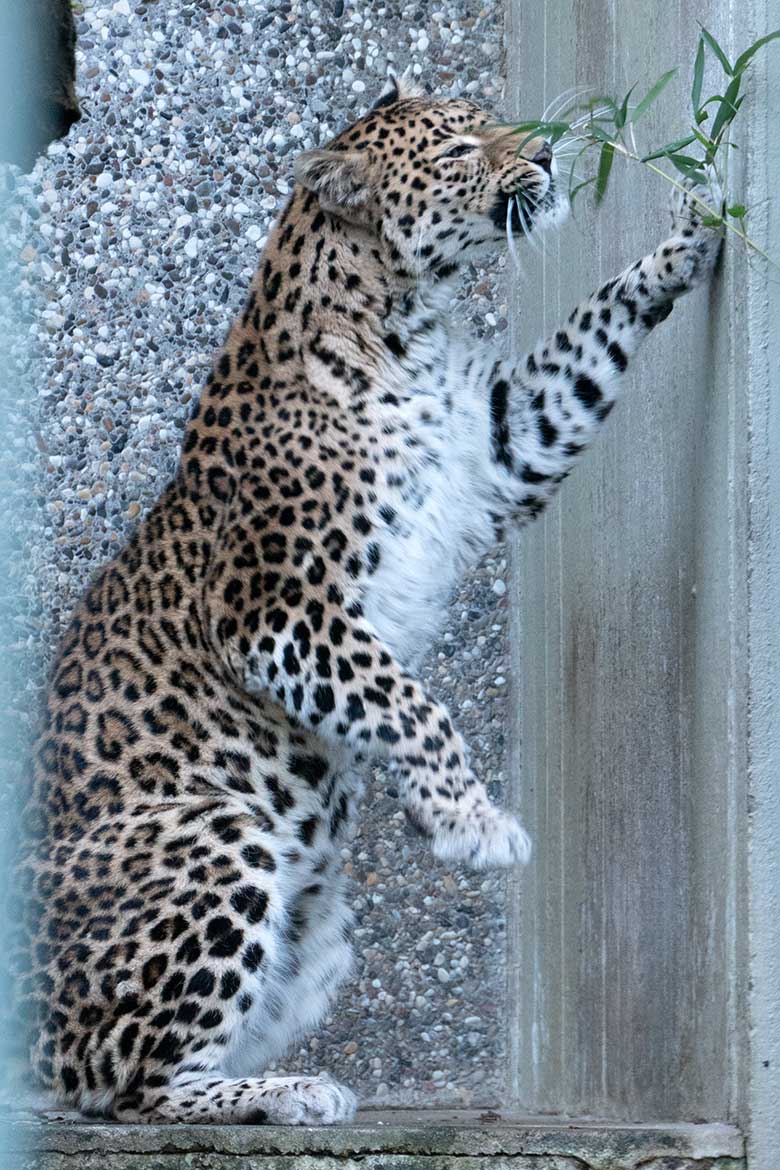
(201, 1097)
(313, 959)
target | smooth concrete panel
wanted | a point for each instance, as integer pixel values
(762, 1114)
(632, 677)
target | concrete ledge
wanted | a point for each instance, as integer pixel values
(377, 1140)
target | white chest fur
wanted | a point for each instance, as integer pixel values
(438, 495)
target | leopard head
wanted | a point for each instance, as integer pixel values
(436, 179)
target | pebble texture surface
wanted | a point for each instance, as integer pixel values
(134, 243)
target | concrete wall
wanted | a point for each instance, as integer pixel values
(763, 298)
(646, 605)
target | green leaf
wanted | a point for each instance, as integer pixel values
(540, 127)
(597, 132)
(686, 158)
(713, 44)
(652, 94)
(575, 190)
(706, 142)
(712, 220)
(685, 164)
(558, 133)
(716, 97)
(698, 77)
(552, 130)
(726, 110)
(573, 167)
(606, 159)
(737, 211)
(670, 148)
(621, 114)
(744, 58)
(594, 103)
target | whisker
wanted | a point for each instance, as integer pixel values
(565, 146)
(526, 223)
(558, 103)
(569, 97)
(599, 112)
(548, 108)
(510, 239)
(583, 138)
(569, 173)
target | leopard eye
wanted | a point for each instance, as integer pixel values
(459, 149)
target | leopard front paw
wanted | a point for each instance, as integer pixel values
(699, 240)
(697, 198)
(482, 837)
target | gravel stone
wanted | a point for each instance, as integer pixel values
(133, 242)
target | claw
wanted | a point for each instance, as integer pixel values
(416, 825)
(492, 838)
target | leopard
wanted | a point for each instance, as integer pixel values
(229, 676)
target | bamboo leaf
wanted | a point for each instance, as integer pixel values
(726, 110)
(600, 134)
(670, 148)
(552, 130)
(698, 77)
(597, 101)
(621, 114)
(712, 220)
(706, 142)
(686, 165)
(572, 189)
(744, 58)
(713, 44)
(652, 94)
(558, 133)
(605, 166)
(575, 190)
(687, 158)
(737, 211)
(540, 127)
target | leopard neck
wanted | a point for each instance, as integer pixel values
(326, 297)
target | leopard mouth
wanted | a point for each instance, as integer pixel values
(517, 213)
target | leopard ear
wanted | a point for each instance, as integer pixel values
(389, 95)
(408, 86)
(339, 177)
(399, 89)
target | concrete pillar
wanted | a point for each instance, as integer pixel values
(646, 656)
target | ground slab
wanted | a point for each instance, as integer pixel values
(376, 1140)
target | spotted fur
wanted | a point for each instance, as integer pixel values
(256, 639)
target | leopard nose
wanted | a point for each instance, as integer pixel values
(543, 157)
